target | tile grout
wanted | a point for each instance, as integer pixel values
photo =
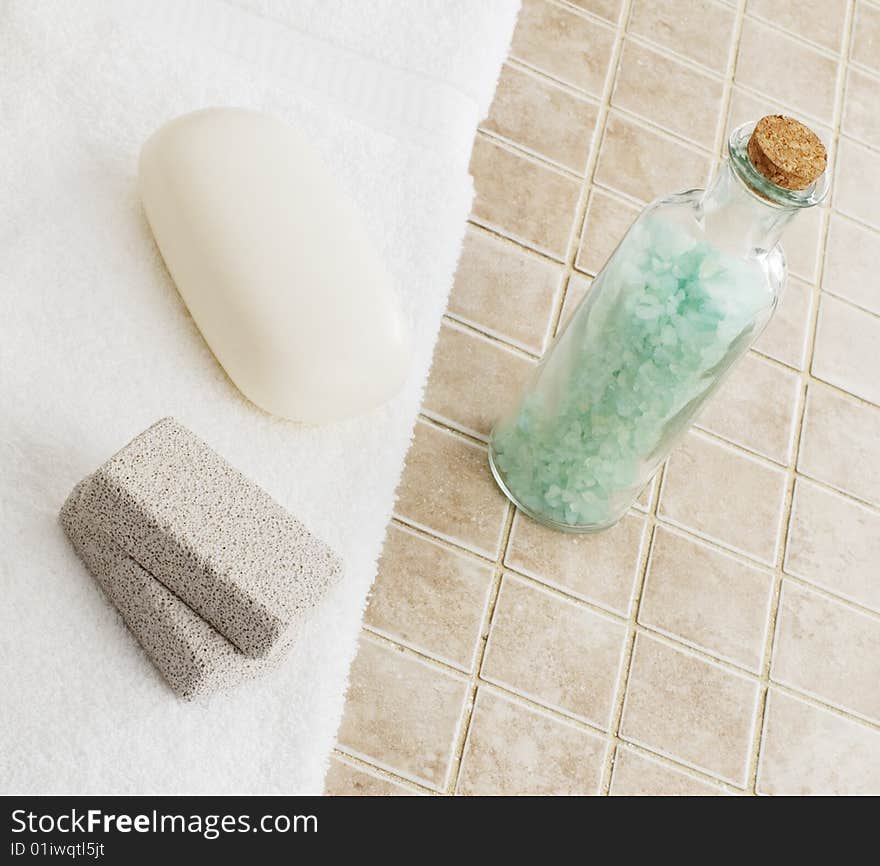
(753, 765)
(637, 204)
(360, 764)
(583, 724)
(477, 664)
(664, 523)
(622, 674)
(598, 138)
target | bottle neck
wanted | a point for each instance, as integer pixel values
(739, 220)
(742, 211)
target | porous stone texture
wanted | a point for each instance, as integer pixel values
(194, 658)
(199, 561)
(786, 152)
(215, 539)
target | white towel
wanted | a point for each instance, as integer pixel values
(95, 345)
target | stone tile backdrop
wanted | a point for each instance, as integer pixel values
(725, 637)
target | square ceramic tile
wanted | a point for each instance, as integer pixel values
(554, 651)
(563, 44)
(724, 495)
(668, 94)
(840, 443)
(851, 257)
(806, 750)
(845, 353)
(601, 568)
(690, 710)
(607, 9)
(523, 199)
(542, 117)
(645, 164)
(429, 597)
(707, 599)
(402, 714)
(474, 380)
(505, 290)
(448, 489)
(606, 222)
(829, 650)
(513, 750)
(866, 36)
(819, 21)
(785, 338)
(346, 780)
(756, 408)
(786, 70)
(575, 292)
(700, 30)
(834, 543)
(637, 775)
(856, 192)
(860, 116)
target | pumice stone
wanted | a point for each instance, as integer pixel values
(205, 567)
(193, 657)
(275, 264)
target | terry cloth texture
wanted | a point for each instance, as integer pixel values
(96, 344)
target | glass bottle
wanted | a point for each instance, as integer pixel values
(689, 288)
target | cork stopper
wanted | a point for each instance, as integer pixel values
(786, 152)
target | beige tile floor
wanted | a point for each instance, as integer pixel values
(725, 636)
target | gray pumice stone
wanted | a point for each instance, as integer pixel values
(214, 538)
(193, 657)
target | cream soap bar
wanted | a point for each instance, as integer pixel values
(274, 262)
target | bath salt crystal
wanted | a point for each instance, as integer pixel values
(670, 316)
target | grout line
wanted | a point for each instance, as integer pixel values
(501, 690)
(470, 701)
(532, 156)
(829, 53)
(481, 333)
(629, 641)
(546, 78)
(670, 54)
(360, 764)
(537, 156)
(685, 769)
(581, 12)
(431, 661)
(874, 314)
(452, 546)
(649, 511)
(803, 374)
(446, 427)
(791, 472)
(592, 162)
(523, 247)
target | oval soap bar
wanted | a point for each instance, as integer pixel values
(274, 262)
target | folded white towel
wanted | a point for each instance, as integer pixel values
(95, 345)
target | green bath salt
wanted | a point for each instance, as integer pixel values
(658, 329)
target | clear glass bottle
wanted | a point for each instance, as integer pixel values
(689, 288)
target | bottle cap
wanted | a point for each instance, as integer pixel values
(786, 152)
